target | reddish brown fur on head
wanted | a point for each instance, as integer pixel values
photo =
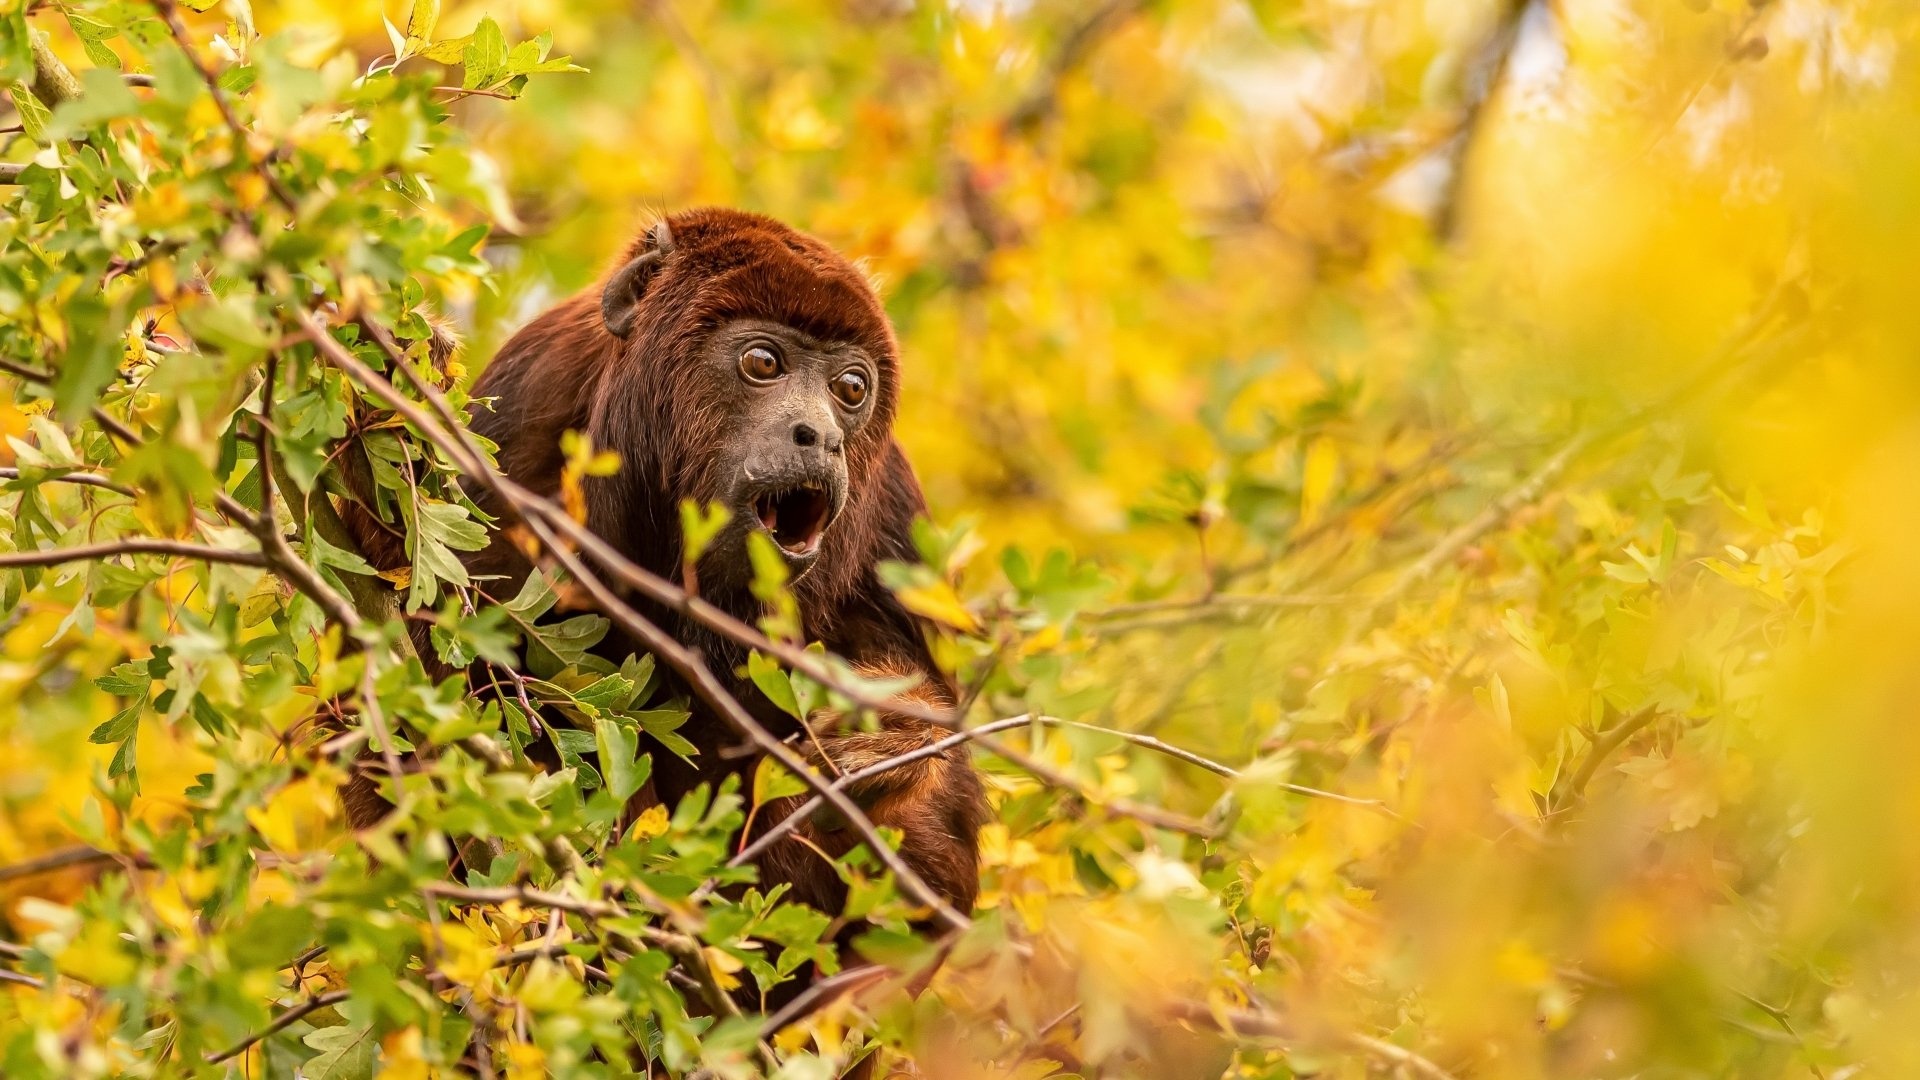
(633, 377)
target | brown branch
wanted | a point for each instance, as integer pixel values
(81, 478)
(824, 991)
(276, 554)
(79, 855)
(1073, 51)
(508, 958)
(280, 554)
(1526, 492)
(1119, 807)
(1604, 743)
(1486, 73)
(1141, 812)
(1147, 741)
(131, 546)
(283, 1020)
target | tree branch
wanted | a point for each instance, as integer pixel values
(1074, 48)
(1119, 807)
(79, 855)
(82, 478)
(131, 546)
(281, 1022)
(1604, 743)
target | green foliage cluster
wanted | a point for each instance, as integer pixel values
(1423, 502)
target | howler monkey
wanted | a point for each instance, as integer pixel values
(730, 359)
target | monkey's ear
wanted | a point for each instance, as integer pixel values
(629, 283)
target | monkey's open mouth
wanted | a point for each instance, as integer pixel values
(795, 517)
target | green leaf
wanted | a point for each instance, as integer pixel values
(663, 725)
(620, 761)
(485, 56)
(346, 1053)
(773, 682)
(34, 116)
(16, 44)
(607, 692)
(772, 781)
(535, 598)
(570, 640)
(699, 527)
(122, 726)
(439, 529)
(460, 640)
(450, 51)
(123, 763)
(92, 356)
(126, 680)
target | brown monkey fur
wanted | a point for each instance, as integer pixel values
(635, 393)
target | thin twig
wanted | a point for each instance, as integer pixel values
(1604, 743)
(81, 478)
(281, 1022)
(79, 855)
(1486, 73)
(1074, 48)
(132, 546)
(806, 810)
(823, 991)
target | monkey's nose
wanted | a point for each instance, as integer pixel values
(807, 435)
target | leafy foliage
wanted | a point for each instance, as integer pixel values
(1424, 500)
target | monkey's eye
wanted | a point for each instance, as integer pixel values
(761, 364)
(850, 387)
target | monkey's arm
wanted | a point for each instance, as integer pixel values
(936, 802)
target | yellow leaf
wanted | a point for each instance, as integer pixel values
(402, 1056)
(525, 1061)
(723, 964)
(97, 957)
(1316, 478)
(941, 604)
(651, 823)
(465, 957)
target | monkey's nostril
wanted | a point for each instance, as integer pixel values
(804, 435)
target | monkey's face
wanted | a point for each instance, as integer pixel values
(795, 406)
